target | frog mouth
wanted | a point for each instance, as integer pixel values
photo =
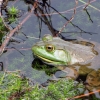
(46, 60)
(49, 61)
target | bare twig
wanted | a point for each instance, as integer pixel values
(2, 48)
(45, 20)
(54, 31)
(67, 11)
(90, 5)
(88, 15)
(76, 1)
(87, 4)
(84, 95)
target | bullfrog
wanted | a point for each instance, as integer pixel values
(74, 58)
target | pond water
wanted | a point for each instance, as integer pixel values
(85, 25)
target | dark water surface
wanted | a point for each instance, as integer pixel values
(86, 25)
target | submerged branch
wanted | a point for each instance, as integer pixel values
(4, 44)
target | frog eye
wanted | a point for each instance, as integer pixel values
(49, 47)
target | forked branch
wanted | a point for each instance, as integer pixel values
(76, 1)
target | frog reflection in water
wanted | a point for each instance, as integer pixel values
(71, 57)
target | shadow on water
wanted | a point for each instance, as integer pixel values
(39, 65)
(49, 17)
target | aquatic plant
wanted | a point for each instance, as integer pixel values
(10, 83)
(2, 26)
(62, 89)
(13, 86)
(3, 30)
(12, 14)
(12, 19)
(12, 11)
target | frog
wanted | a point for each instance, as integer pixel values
(75, 58)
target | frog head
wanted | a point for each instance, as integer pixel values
(49, 52)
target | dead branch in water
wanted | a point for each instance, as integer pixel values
(76, 1)
(4, 44)
(87, 4)
(35, 6)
